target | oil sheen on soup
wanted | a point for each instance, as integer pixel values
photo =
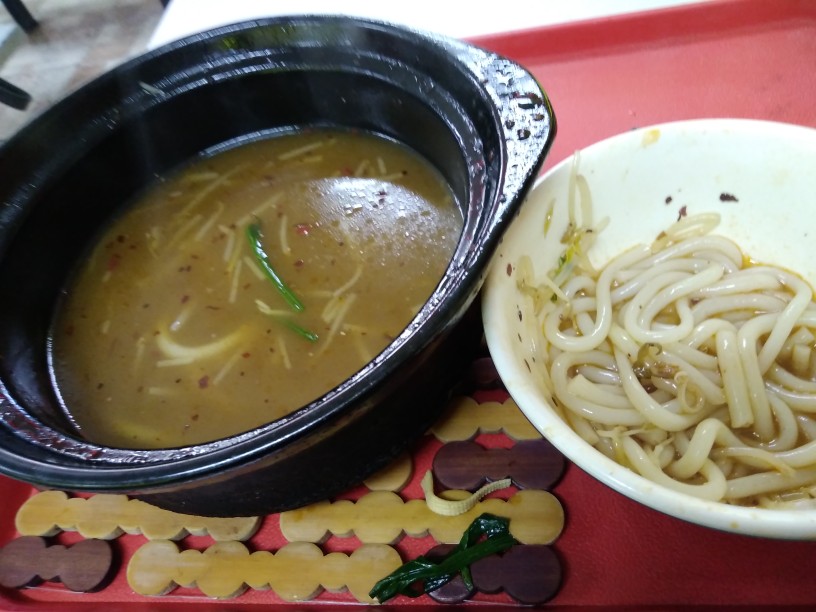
(248, 285)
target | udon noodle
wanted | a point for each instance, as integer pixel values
(683, 360)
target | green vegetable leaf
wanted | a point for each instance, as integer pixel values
(253, 233)
(300, 331)
(487, 535)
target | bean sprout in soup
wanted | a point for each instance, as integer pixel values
(249, 284)
(682, 360)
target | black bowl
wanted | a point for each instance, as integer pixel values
(481, 119)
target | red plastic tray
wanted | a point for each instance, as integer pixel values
(735, 58)
(731, 58)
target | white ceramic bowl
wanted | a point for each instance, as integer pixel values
(760, 176)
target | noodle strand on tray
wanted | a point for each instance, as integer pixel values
(682, 360)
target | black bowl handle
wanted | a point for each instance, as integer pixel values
(526, 117)
(526, 127)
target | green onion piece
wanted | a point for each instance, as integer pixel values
(300, 331)
(253, 233)
(487, 535)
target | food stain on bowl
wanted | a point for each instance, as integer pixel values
(653, 315)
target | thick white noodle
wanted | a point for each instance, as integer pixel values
(695, 370)
(713, 489)
(736, 392)
(598, 413)
(603, 319)
(671, 288)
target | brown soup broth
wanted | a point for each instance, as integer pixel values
(170, 333)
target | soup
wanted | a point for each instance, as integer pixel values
(247, 285)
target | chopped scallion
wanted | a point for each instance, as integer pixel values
(253, 233)
(300, 331)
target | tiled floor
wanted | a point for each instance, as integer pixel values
(76, 41)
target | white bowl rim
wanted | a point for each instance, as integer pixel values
(762, 522)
